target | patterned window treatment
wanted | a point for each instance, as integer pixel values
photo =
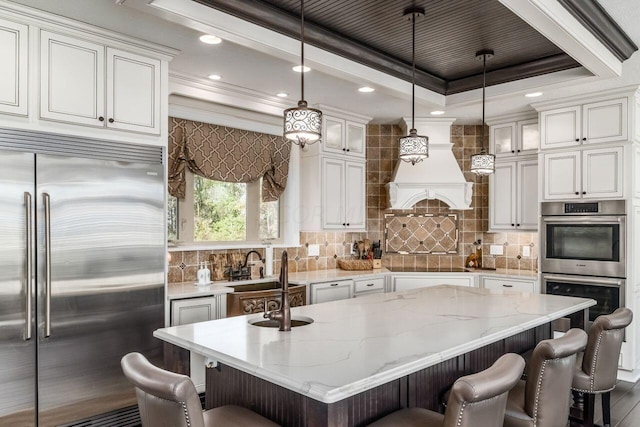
(226, 154)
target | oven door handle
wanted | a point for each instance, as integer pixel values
(610, 282)
(583, 219)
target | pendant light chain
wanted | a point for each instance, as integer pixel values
(413, 72)
(483, 163)
(302, 48)
(484, 85)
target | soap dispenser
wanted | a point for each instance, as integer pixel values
(201, 274)
(207, 273)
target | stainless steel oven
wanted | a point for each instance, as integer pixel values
(607, 291)
(584, 238)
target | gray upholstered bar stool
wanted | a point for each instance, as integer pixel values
(543, 400)
(597, 367)
(476, 400)
(166, 399)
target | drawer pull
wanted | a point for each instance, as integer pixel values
(507, 286)
(370, 284)
(334, 284)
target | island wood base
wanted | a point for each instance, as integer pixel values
(229, 386)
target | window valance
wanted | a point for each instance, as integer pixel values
(226, 154)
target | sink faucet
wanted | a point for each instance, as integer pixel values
(283, 316)
(246, 261)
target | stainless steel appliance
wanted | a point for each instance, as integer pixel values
(82, 256)
(586, 238)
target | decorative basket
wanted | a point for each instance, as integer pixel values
(355, 264)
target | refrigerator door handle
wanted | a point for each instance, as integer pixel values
(47, 264)
(29, 273)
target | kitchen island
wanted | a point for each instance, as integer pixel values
(362, 358)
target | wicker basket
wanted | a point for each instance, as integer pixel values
(355, 264)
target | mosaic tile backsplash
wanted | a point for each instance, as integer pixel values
(421, 234)
(382, 155)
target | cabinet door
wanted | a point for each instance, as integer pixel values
(502, 197)
(356, 134)
(133, 92)
(14, 54)
(333, 193)
(528, 136)
(333, 135)
(560, 128)
(503, 139)
(602, 173)
(331, 291)
(562, 175)
(527, 195)
(355, 200)
(604, 121)
(185, 311)
(72, 80)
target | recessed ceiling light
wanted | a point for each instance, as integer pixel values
(214, 77)
(210, 39)
(437, 113)
(366, 89)
(533, 94)
(298, 69)
(282, 94)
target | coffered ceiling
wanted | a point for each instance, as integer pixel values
(375, 33)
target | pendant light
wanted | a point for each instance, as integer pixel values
(302, 125)
(483, 163)
(413, 148)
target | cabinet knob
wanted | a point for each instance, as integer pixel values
(348, 224)
(344, 224)
(111, 120)
(348, 150)
(584, 139)
(101, 118)
(517, 225)
(577, 192)
(513, 225)
(584, 192)
(344, 149)
(518, 151)
(513, 151)
(577, 139)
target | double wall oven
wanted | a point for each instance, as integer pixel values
(583, 249)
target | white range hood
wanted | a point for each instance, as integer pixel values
(438, 177)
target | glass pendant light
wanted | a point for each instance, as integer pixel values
(413, 148)
(302, 125)
(483, 163)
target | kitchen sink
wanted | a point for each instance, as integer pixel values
(265, 286)
(267, 323)
(261, 297)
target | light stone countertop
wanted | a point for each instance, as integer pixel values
(191, 290)
(357, 344)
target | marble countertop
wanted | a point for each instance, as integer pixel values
(357, 344)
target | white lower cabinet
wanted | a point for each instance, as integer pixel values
(522, 285)
(192, 310)
(403, 283)
(331, 291)
(368, 286)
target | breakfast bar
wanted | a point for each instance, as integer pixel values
(365, 357)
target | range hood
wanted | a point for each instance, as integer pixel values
(438, 177)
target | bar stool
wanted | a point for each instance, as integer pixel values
(597, 367)
(166, 399)
(543, 400)
(476, 400)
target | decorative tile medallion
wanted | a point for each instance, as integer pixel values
(421, 233)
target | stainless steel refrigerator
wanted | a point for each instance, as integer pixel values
(82, 258)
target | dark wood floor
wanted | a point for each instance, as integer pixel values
(625, 406)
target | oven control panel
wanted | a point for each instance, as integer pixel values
(580, 208)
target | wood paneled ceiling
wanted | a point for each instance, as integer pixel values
(375, 33)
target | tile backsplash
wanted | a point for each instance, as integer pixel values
(382, 155)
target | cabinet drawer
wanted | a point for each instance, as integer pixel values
(510, 284)
(367, 285)
(331, 291)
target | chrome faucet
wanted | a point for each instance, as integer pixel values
(283, 316)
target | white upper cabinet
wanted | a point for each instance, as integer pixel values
(14, 55)
(73, 76)
(343, 194)
(133, 83)
(514, 138)
(593, 123)
(513, 196)
(78, 87)
(355, 194)
(584, 174)
(340, 136)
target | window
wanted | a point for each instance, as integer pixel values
(223, 212)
